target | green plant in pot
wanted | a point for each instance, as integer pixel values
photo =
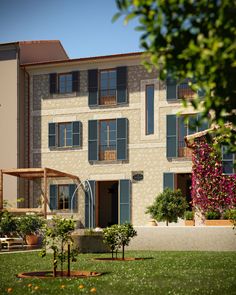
(29, 227)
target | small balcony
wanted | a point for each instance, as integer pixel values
(107, 153)
(183, 151)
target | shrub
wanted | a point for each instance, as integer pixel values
(119, 236)
(188, 215)
(8, 224)
(212, 215)
(168, 206)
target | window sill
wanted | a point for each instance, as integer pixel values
(107, 106)
(109, 162)
(65, 148)
(61, 95)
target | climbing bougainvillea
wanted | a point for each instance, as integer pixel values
(211, 189)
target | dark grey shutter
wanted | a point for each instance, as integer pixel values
(53, 197)
(75, 81)
(124, 200)
(93, 87)
(121, 85)
(168, 180)
(77, 133)
(171, 136)
(171, 89)
(122, 139)
(52, 135)
(72, 188)
(92, 140)
(90, 197)
(53, 83)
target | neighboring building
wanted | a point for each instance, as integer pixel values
(14, 104)
(109, 121)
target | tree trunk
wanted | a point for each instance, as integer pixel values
(68, 261)
(54, 264)
(62, 252)
(112, 253)
(167, 222)
(123, 251)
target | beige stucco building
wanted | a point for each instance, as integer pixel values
(106, 120)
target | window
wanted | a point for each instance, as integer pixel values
(149, 109)
(65, 83)
(108, 87)
(228, 160)
(107, 140)
(177, 129)
(178, 91)
(63, 197)
(64, 135)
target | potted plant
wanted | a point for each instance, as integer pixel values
(189, 218)
(29, 227)
(8, 224)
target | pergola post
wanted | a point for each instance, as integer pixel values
(1, 189)
(45, 192)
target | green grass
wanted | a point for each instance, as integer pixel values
(161, 273)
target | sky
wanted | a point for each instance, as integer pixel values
(84, 27)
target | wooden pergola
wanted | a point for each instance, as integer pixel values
(32, 174)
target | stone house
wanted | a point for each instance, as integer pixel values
(110, 122)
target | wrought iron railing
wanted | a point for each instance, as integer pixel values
(184, 91)
(183, 150)
(107, 97)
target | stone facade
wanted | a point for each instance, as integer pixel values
(147, 153)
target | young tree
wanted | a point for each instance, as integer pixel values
(196, 40)
(126, 232)
(168, 206)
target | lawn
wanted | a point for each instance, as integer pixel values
(160, 273)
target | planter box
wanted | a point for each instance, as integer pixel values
(218, 222)
(90, 243)
(189, 223)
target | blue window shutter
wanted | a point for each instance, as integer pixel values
(53, 197)
(168, 180)
(93, 140)
(124, 201)
(75, 81)
(121, 85)
(77, 133)
(93, 87)
(122, 139)
(72, 188)
(90, 204)
(53, 83)
(171, 89)
(171, 136)
(52, 135)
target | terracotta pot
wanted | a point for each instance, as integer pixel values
(189, 223)
(32, 239)
(218, 222)
(152, 222)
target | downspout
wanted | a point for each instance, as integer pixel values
(28, 132)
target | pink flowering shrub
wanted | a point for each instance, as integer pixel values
(211, 189)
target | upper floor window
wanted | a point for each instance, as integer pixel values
(107, 87)
(65, 135)
(149, 109)
(177, 129)
(228, 160)
(65, 83)
(182, 90)
(108, 140)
